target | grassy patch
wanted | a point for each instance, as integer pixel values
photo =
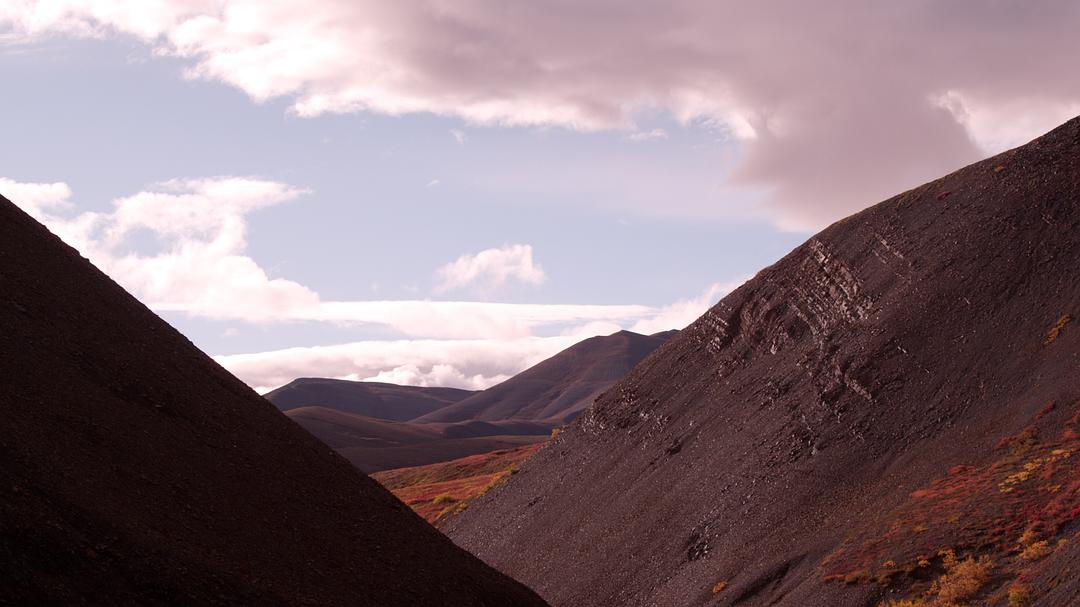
(438, 490)
(1014, 512)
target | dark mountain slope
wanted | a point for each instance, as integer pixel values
(906, 381)
(559, 388)
(378, 444)
(135, 470)
(371, 399)
(522, 410)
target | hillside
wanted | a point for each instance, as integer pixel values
(560, 388)
(370, 399)
(385, 426)
(889, 412)
(377, 444)
(136, 471)
(436, 490)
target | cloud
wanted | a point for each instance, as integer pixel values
(201, 269)
(652, 135)
(39, 200)
(459, 136)
(491, 268)
(837, 104)
(472, 364)
(685, 311)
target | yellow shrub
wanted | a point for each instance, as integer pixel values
(1019, 596)
(962, 579)
(1036, 551)
(443, 498)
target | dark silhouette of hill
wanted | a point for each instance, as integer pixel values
(557, 389)
(890, 411)
(370, 399)
(136, 471)
(377, 444)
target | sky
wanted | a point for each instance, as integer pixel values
(445, 193)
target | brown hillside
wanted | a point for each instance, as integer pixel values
(558, 389)
(887, 412)
(136, 471)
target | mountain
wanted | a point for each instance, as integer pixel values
(890, 412)
(377, 444)
(559, 388)
(136, 471)
(370, 399)
(384, 426)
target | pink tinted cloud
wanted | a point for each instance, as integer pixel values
(837, 104)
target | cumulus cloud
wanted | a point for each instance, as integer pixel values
(40, 200)
(491, 268)
(201, 267)
(837, 104)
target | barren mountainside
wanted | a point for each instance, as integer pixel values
(890, 411)
(136, 471)
(558, 389)
(380, 426)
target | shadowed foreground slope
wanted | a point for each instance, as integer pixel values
(903, 385)
(135, 470)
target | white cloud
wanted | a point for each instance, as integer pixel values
(653, 135)
(37, 199)
(439, 375)
(463, 363)
(826, 128)
(201, 268)
(491, 268)
(463, 319)
(685, 311)
(472, 364)
(459, 136)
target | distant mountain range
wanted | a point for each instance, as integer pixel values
(889, 415)
(380, 426)
(136, 471)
